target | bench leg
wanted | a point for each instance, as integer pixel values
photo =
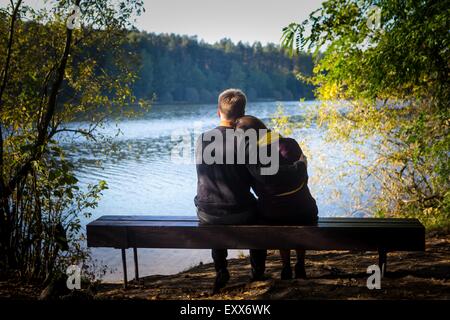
(136, 267)
(382, 261)
(124, 263)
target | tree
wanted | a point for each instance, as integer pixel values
(175, 62)
(237, 77)
(206, 96)
(191, 94)
(144, 85)
(50, 75)
(390, 60)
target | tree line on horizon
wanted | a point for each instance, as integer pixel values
(175, 68)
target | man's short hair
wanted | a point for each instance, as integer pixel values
(232, 103)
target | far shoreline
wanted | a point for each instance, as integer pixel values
(163, 103)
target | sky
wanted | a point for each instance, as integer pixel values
(212, 20)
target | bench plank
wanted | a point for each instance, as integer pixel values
(181, 224)
(186, 232)
(194, 218)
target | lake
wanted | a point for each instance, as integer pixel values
(143, 178)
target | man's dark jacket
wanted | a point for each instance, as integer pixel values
(223, 190)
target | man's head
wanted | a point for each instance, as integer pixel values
(232, 104)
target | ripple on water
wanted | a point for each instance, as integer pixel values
(142, 179)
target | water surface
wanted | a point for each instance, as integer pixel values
(143, 180)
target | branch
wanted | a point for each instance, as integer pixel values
(39, 145)
(4, 81)
(5, 71)
(86, 133)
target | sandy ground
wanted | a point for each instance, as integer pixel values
(331, 275)
(151, 261)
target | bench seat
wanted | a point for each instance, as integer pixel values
(184, 232)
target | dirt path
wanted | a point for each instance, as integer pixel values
(331, 275)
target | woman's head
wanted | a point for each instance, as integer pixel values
(249, 122)
(263, 134)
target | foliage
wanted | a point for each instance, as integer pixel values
(179, 68)
(394, 78)
(280, 122)
(51, 75)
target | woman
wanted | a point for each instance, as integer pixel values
(286, 200)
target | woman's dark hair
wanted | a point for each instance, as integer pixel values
(249, 122)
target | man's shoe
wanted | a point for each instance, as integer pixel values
(258, 277)
(222, 278)
(286, 273)
(300, 272)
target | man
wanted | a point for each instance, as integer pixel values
(223, 189)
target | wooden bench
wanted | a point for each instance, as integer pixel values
(359, 234)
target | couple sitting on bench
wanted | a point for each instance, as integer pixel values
(229, 167)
